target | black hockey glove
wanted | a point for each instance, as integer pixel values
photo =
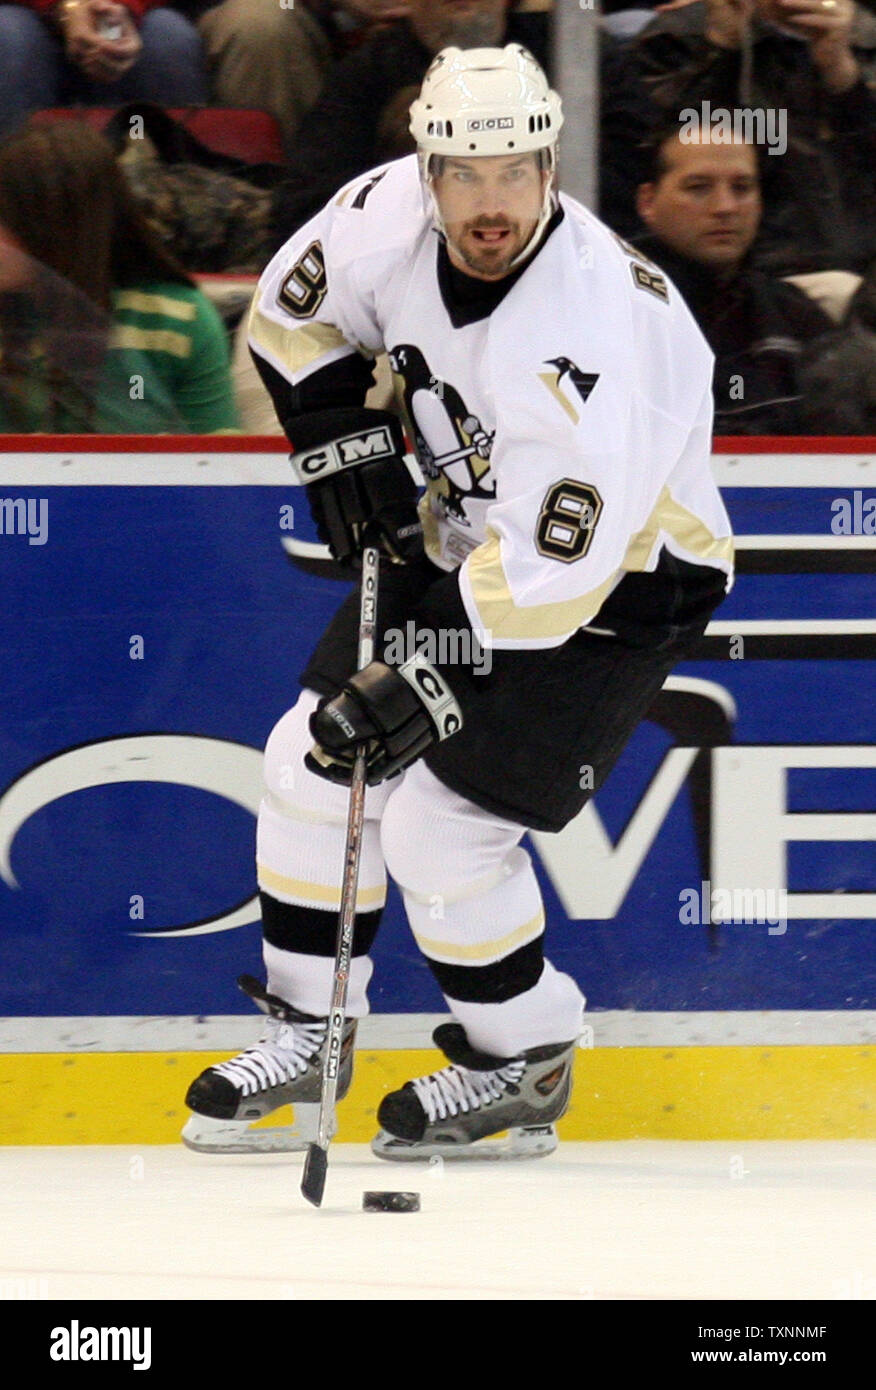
(359, 482)
(396, 712)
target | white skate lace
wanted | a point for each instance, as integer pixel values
(281, 1054)
(456, 1090)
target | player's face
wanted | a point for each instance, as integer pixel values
(707, 203)
(490, 207)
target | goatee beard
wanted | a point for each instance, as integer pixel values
(494, 270)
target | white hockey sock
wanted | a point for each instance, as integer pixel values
(551, 1012)
(305, 982)
(475, 910)
(300, 850)
(302, 825)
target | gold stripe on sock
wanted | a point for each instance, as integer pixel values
(485, 951)
(322, 894)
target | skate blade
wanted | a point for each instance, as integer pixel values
(206, 1135)
(532, 1141)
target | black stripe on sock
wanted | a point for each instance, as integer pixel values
(491, 984)
(312, 931)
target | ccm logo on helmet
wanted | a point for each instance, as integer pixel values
(491, 123)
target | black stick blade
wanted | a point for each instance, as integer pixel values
(313, 1179)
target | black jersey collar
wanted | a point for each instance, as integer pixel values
(467, 299)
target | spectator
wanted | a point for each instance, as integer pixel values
(805, 63)
(702, 204)
(276, 57)
(362, 117)
(98, 53)
(842, 368)
(100, 330)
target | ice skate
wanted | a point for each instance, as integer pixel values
(283, 1068)
(454, 1112)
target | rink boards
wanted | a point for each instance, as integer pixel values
(153, 632)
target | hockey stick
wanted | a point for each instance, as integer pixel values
(316, 1162)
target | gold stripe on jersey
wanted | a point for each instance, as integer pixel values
(296, 348)
(328, 895)
(503, 618)
(685, 527)
(485, 951)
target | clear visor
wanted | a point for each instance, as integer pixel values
(490, 207)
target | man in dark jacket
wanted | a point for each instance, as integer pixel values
(277, 55)
(811, 62)
(702, 205)
(362, 116)
(95, 53)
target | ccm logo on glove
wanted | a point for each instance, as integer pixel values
(343, 724)
(395, 715)
(343, 453)
(437, 697)
(359, 487)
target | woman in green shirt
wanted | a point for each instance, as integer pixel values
(100, 330)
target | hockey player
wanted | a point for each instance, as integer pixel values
(558, 394)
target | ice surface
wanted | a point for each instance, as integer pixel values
(634, 1220)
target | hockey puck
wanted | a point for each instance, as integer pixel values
(390, 1201)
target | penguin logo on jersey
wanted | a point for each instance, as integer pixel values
(567, 374)
(451, 443)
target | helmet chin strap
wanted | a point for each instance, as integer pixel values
(547, 211)
(548, 207)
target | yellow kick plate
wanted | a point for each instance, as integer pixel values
(799, 1092)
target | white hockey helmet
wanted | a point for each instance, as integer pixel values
(486, 101)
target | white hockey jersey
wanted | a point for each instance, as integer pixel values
(565, 439)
